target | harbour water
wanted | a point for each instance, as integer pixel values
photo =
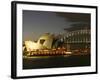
(37, 62)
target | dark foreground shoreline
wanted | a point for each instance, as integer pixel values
(56, 61)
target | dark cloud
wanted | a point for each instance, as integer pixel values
(76, 20)
(76, 17)
(78, 27)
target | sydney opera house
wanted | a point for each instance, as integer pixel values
(72, 41)
(47, 44)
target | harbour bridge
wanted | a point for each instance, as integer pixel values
(78, 39)
(78, 36)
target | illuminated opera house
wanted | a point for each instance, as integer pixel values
(44, 42)
(47, 44)
(72, 41)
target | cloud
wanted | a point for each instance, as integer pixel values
(75, 17)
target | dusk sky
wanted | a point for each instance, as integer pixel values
(36, 23)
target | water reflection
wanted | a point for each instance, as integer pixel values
(56, 61)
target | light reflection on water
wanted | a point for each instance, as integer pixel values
(55, 61)
(43, 57)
